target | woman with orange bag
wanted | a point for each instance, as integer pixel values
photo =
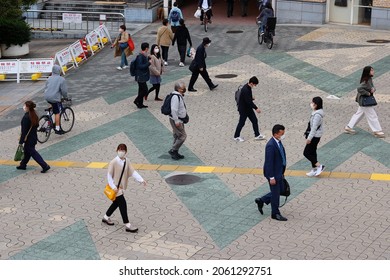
(122, 47)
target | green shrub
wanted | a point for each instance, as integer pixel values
(14, 32)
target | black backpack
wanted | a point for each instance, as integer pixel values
(166, 107)
(133, 67)
(237, 95)
(175, 16)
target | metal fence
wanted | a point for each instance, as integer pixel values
(52, 20)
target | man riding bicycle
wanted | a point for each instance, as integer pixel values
(265, 13)
(55, 89)
(205, 5)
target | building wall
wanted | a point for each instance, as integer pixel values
(301, 12)
(381, 3)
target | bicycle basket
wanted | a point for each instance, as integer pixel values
(67, 102)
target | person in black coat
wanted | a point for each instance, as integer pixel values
(182, 35)
(29, 138)
(142, 75)
(245, 108)
(198, 66)
(230, 6)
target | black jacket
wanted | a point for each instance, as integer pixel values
(182, 35)
(200, 56)
(32, 136)
(246, 99)
(142, 73)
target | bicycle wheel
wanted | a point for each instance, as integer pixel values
(205, 24)
(259, 36)
(67, 119)
(44, 129)
(270, 41)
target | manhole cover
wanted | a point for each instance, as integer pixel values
(378, 41)
(226, 76)
(153, 32)
(234, 31)
(182, 179)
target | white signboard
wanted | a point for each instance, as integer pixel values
(103, 32)
(72, 18)
(9, 66)
(64, 57)
(43, 65)
(76, 49)
(102, 17)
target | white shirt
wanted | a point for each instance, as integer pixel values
(205, 4)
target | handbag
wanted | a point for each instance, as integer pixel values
(285, 191)
(368, 101)
(131, 44)
(197, 13)
(109, 192)
(19, 155)
(186, 119)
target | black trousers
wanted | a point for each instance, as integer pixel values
(120, 202)
(230, 6)
(30, 152)
(205, 76)
(310, 151)
(182, 52)
(142, 91)
(252, 117)
(164, 50)
(155, 87)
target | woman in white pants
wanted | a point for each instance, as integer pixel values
(366, 88)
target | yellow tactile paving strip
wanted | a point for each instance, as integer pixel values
(210, 169)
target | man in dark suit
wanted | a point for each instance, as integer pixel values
(198, 66)
(274, 167)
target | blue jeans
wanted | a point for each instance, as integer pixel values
(123, 56)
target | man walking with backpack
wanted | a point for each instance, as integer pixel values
(175, 15)
(139, 68)
(177, 117)
(245, 106)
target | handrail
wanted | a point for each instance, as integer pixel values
(76, 12)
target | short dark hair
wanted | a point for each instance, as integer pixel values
(277, 128)
(122, 147)
(254, 80)
(123, 27)
(318, 101)
(144, 46)
(175, 4)
(165, 21)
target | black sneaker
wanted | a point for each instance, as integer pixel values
(59, 132)
(44, 170)
(21, 167)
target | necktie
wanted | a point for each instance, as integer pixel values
(282, 153)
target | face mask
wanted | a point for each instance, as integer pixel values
(156, 51)
(282, 137)
(121, 154)
(25, 108)
(312, 105)
(208, 45)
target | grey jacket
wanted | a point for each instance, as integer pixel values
(364, 89)
(55, 87)
(178, 108)
(316, 124)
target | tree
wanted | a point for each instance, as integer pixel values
(14, 8)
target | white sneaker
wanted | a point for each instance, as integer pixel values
(239, 139)
(379, 134)
(181, 64)
(319, 170)
(119, 68)
(312, 172)
(126, 66)
(165, 63)
(260, 137)
(349, 130)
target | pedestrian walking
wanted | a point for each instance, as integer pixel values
(244, 8)
(313, 135)
(175, 15)
(366, 89)
(29, 138)
(56, 89)
(230, 6)
(119, 171)
(156, 70)
(198, 66)
(177, 119)
(245, 108)
(274, 167)
(122, 47)
(182, 35)
(142, 75)
(164, 39)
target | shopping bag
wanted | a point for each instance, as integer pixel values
(19, 153)
(197, 13)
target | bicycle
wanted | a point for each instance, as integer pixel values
(269, 32)
(206, 19)
(46, 123)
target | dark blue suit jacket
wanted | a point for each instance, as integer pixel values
(200, 56)
(273, 163)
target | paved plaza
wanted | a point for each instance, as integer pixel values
(342, 215)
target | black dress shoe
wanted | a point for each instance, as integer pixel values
(278, 217)
(143, 106)
(213, 87)
(180, 156)
(44, 170)
(260, 205)
(21, 167)
(132, 229)
(107, 222)
(192, 89)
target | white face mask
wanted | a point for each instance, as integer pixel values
(208, 45)
(156, 51)
(282, 137)
(25, 108)
(312, 106)
(121, 154)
